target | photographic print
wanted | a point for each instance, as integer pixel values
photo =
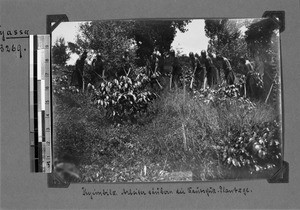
(166, 100)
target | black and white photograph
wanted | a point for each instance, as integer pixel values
(166, 100)
(150, 104)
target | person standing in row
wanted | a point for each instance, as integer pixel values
(125, 66)
(246, 66)
(215, 68)
(98, 69)
(260, 66)
(248, 70)
(152, 69)
(211, 73)
(228, 72)
(126, 63)
(77, 76)
(199, 72)
(153, 64)
(176, 70)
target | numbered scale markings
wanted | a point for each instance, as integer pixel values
(40, 104)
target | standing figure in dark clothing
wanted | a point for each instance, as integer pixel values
(176, 70)
(152, 70)
(210, 71)
(153, 64)
(98, 69)
(199, 72)
(228, 72)
(246, 66)
(260, 66)
(253, 89)
(215, 70)
(193, 65)
(77, 76)
(126, 64)
(192, 60)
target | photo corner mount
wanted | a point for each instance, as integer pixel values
(278, 17)
(56, 19)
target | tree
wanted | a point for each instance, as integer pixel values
(60, 55)
(140, 38)
(226, 39)
(155, 35)
(262, 39)
(109, 38)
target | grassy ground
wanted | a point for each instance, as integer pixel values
(182, 137)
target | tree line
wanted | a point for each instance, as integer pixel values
(118, 46)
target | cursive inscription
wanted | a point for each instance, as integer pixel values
(13, 34)
(103, 192)
(191, 190)
(13, 46)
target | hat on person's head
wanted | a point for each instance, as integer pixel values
(172, 52)
(203, 53)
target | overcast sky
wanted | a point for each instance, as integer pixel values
(193, 40)
(67, 30)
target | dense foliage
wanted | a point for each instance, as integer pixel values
(250, 141)
(155, 35)
(124, 98)
(60, 54)
(110, 38)
(224, 133)
(263, 39)
(226, 39)
(121, 128)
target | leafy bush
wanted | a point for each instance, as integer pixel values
(61, 80)
(256, 149)
(124, 99)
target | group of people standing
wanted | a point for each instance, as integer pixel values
(206, 69)
(96, 71)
